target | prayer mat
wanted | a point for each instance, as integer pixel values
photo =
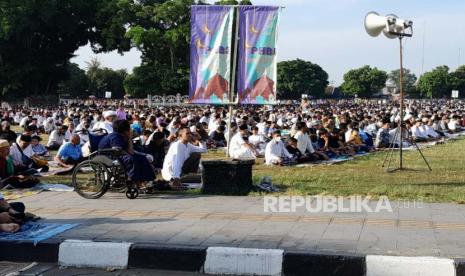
(14, 194)
(36, 231)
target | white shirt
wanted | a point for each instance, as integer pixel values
(303, 142)
(68, 135)
(261, 128)
(236, 144)
(177, 154)
(256, 140)
(55, 138)
(417, 132)
(371, 129)
(347, 134)
(23, 121)
(204, 119)
(430, 131)
(212, 126)
(17, 156)
(453, 125)
(49, 125)
(108, 126)
(274, 151)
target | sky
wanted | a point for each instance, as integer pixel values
(332, 34)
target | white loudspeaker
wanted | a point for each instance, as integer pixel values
(375, 24)
(392, 28)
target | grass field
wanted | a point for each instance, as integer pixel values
(365, 176)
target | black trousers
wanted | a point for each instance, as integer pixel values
(18, 207)
(191, 165)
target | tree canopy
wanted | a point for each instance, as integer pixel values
(297, 77)
(38, 38)
(364, 81)
(435, 83)
(457, 80)
(409, 80)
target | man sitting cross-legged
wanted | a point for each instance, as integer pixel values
(275, 151)
(183, 157)
(8, 176)
(70, 153)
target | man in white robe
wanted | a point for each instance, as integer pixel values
(239, 147)
(275, 151)
(183, 157)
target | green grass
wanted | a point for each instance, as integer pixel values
(365, 176)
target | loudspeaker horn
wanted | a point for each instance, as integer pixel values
(375, 24)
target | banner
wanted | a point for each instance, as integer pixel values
(257, 69)
(211, 36)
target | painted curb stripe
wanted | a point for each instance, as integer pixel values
(221, 260)
(243, 261)
(409, 266)
(94, 254)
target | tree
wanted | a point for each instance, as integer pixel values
(76, 83)
(102, 79)
(457, 80)
(155, 80)
(408, 83)
(435, 83)
(37, 39)
(364, 81)
(162, 34)
(297, 77)
(141, 82)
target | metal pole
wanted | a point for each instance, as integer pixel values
(401, 87)
(233, 79)
(390, 149)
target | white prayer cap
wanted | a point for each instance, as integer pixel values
(108, 113)
(408, 117)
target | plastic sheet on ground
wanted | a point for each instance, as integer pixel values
(37, 231)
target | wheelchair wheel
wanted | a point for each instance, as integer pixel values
(90, 179)
(132, 193)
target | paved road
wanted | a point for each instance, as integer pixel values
(28, 269)
(420, 230)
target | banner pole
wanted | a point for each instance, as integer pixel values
(233, 80)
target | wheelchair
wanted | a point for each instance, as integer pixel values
(102, 171)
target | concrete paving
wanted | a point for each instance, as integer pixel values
(411, 229)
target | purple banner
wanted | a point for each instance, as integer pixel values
(257, 69)
(210, 68)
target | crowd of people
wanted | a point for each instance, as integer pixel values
(168, 141)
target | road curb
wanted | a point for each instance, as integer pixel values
(243, 261)
(153, 256)
(27, 251)
(323, 263)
